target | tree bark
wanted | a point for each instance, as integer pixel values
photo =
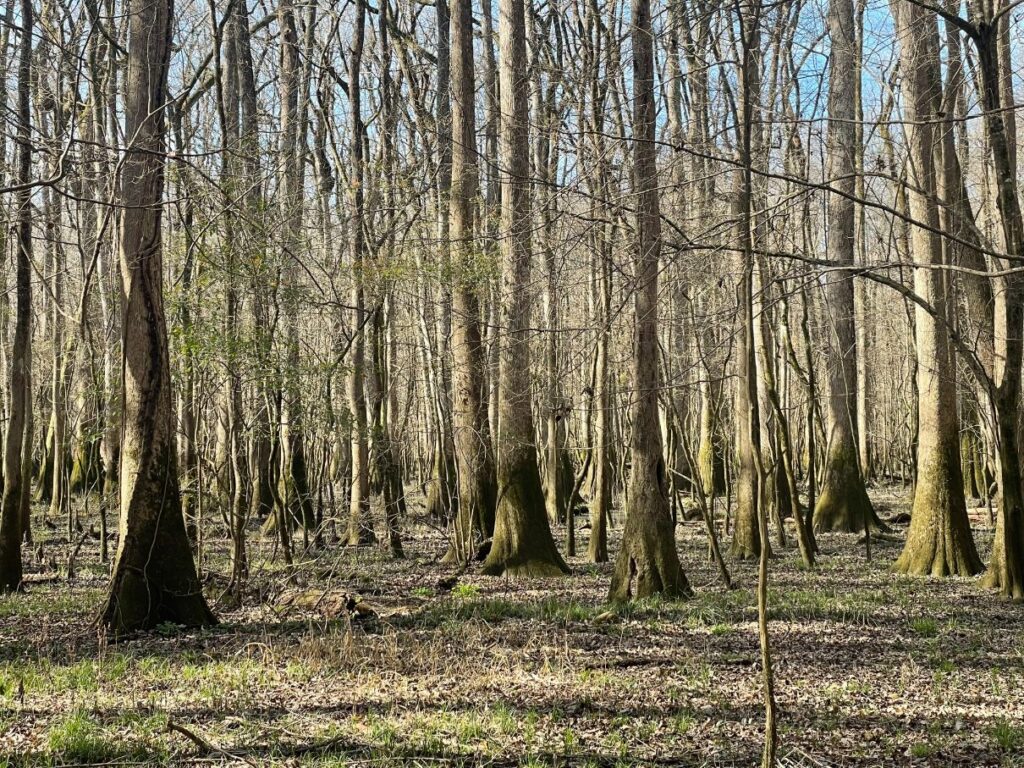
(15, 480)
(522, 543)
(843, 503)
(647, 563)
(360, 526)
(472, 443)
(939, 540)
(154, 577)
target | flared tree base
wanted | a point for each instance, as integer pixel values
(138, 603)
(844, 506)
(150, 589)
(939, 541)
(523, 545)
(935, 554)
(647, 563)
(746, 540)
(1005, 578)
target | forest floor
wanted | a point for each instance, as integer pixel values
(871, 668)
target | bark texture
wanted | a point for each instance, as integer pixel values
(939, 541)
(475, 515)
(647, 563)
(843, 503)
(154, 577)
(522, 543)
(15, 480)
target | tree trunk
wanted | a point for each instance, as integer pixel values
(360, 526)
(15, 480)
(746, 540)
(1006, 568)
(522, 544)
(647, 563)
(472, 444)
(843, 503)
(293, 482)
(939, 541)
(145, 590)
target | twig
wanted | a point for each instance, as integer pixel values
(205, 746)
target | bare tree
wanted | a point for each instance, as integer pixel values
(523, 544)
(939, 541)
(647, 563)
(843, 503)
(147, 588)
(15, 439)
(475, 516)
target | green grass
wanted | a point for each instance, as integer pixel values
(81, 738)
(924, 627)
(494, 610)
(504, 718)
(922, 749)
(1007, 736)
(36, 603)
(682, 723)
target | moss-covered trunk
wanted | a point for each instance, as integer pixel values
(522, 543)
(154, 577)
(939, 541)
(647, 563)
(843, 503)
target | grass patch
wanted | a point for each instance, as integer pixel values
(924, 627)
(1007, 736)
(550, 609)
(465, 591)
(922, 749)
(81, 738)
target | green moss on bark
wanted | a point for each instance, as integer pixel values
(154, 577)
(939, 542)
(843, 504)
(647, 563)
(746, 539)
(523, 545)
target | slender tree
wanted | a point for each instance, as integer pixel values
(472, 444)
(15, 481)
(360, 528)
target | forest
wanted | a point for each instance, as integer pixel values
(518, 383)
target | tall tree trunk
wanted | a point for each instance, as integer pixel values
(600, 192)
(384, 401)
(261, 491)
(1006, 568)
(441, 494)
(746, 539)
(523, 544)
(647, 563)
(147, 590)
(939, 541)
(227, 85)
(360, 527)
(294, 479)
(472, 444)
(20, 363)
(843, 503)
